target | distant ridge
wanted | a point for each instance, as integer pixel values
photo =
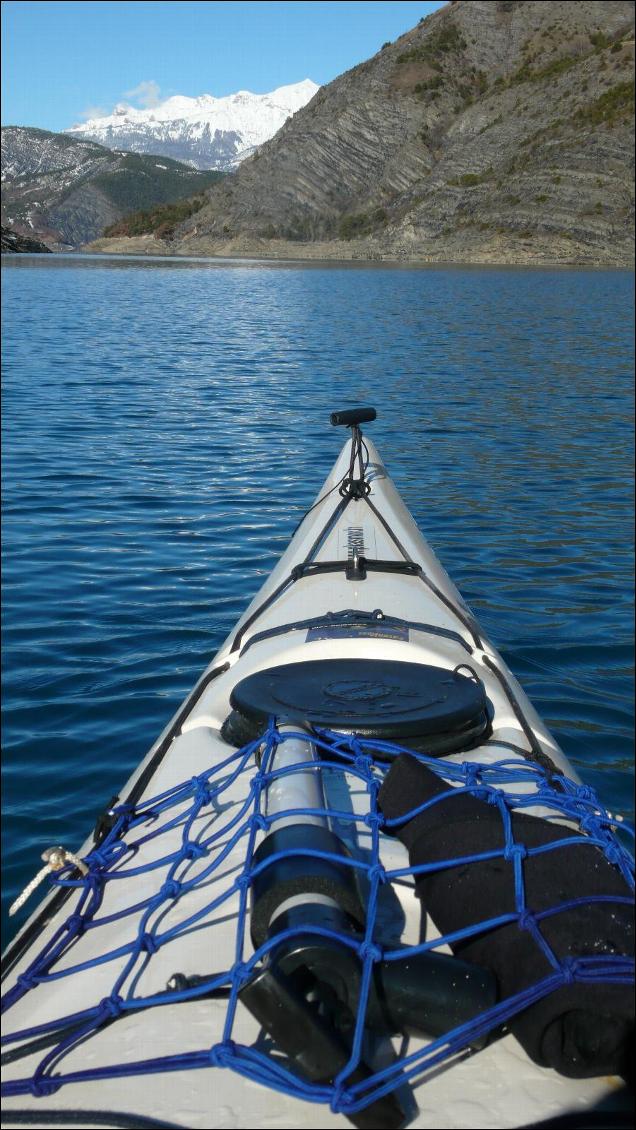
(205, 132)
(65, 191)
(491, 132)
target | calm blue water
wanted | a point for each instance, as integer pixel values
(165, 425)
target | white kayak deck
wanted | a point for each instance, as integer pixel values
(496, 1087)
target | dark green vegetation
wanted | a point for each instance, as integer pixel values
(616, 105)
(140, 182)
(529, 71)
(447, 40)
(160, 221)
(468, 180)
(362, 223)
(425, 87)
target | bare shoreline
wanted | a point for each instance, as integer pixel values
(358, 252)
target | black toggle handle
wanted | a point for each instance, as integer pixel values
(353, 416)
(312, 1043)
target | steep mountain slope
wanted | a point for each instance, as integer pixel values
(65, 190)
(493, 131)
(205, 132)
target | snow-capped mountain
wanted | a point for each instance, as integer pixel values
(205, 132)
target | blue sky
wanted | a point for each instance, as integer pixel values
(61, 61)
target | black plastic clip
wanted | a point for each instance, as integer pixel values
(356, 567)
(105, 821)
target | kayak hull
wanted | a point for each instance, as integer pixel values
(296, 617)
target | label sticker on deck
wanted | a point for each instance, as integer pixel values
(375, 630)
(360, 539)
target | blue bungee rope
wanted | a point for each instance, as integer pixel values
(243, 822)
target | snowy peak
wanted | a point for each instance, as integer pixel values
(206, 132)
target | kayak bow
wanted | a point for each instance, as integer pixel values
(356, 869)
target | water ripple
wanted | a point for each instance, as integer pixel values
(164, 428)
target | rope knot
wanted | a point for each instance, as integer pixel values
(526, 920)
(491, 794)
(75, 924)
(590, 824)
(102, 857)
(193, 850)
(243, 882)
(98, 860)
(568, 970)
(26, 981)
(272, 737)
(215, 1056)
(240, 974)
(111, 1006)
(376, 871)
(171, 889)
(471, 774)
(363, 763)
(202, 791)
(221, 1054)
(515, 851)
(259, 821)
(55, 859)
(341, 1098)
(374, 820)
(369, 949)
(148, 943)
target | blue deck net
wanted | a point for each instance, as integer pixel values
(242, 824)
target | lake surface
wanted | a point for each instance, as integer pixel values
(166, 424)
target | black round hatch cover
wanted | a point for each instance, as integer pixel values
(376, 697)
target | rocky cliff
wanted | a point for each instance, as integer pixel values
(65, 191)
(495, 131)
(10, 241)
